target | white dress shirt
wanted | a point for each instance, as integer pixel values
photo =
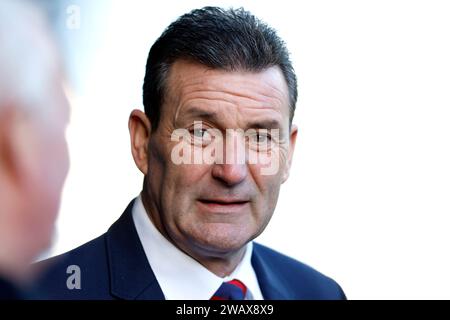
(180, 276)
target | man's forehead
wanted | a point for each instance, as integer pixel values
(193, 87)
(184, 73)
(248, 118)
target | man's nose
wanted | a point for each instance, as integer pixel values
(230, 174)
(233, 170)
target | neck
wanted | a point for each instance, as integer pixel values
(11, 253)
(12, 266)
(221, 263)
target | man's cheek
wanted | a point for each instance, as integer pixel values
(269, 189)
(188, 175)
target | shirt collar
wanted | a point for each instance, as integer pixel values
(180, 276)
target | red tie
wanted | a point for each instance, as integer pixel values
(231, 290)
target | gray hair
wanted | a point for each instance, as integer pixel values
(28, 58)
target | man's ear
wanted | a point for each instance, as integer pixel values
(17, 147)
(292, 140)
(140, 130)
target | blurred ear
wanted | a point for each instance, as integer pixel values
(292, 141)
(140, 129)
(18, 145)
(7, 165)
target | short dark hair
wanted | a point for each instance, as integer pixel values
(231, 39)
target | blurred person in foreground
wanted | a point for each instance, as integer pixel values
(33, 152)
(215, 144)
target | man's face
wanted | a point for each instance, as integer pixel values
(216, 208)
(32, 181)
(54, 159)
(49, 168)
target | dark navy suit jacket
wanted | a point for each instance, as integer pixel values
(8, 291)
(114, 266)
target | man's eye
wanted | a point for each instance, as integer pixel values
(260, 138)
(201, 136)
(199, 133)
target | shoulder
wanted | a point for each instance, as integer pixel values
(9, 291)
(303, 281)
(81, 273)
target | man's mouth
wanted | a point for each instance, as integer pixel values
(223, 205)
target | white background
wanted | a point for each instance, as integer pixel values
(368, 200)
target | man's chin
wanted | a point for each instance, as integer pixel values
(221, 244)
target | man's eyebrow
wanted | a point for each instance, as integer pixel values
(197, 112)
(264, 124)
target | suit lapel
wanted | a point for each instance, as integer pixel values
(272, 285)
(131, 276)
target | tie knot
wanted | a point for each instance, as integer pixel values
(231, 290)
